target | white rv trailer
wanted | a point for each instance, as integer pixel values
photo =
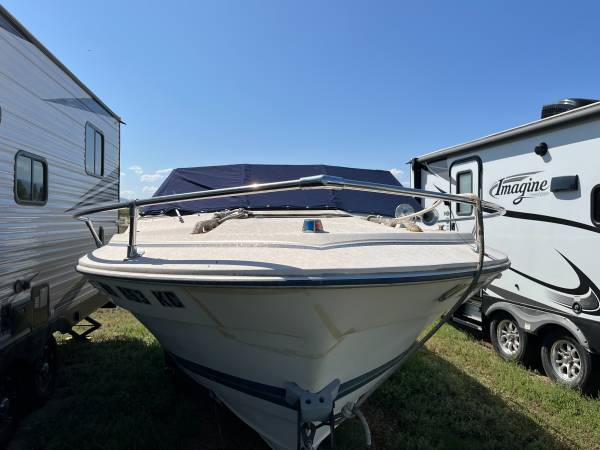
(59, 151)
(546, 174)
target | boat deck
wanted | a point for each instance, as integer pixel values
(277, 247)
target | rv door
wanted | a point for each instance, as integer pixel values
(465, 177)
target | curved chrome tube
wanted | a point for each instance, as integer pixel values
(314, 182)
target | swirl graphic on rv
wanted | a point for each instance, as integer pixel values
(521, 185)
(584, 298)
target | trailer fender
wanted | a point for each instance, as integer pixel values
(533, 320)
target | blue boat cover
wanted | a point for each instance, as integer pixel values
(214, 177)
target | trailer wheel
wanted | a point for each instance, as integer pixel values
(41, 378)
(566, 361)
(173, 371)
(509, 340)
(8, 409)
(181, 381)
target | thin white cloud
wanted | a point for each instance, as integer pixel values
(398, 173)
(149, 189)
(123, 174)
(136, 169)
(156, 176)
(400, 176)
(150, 178)
(128, 194)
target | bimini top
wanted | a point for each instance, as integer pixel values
(214, 177)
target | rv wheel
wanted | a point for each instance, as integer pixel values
(566, 361)
(8, 409)
(42, 375)
(508, 339)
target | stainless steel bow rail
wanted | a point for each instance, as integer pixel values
(314, 182)
(307, 416)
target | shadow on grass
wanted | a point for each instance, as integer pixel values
(534, 363)
(431, 404)
(115, 394)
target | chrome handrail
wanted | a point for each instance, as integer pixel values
(314, 182)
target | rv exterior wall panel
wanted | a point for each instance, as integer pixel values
(549, 236)
(44, 112)
(548, 124)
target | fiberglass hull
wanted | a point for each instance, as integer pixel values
(267, 315)
(246, 343)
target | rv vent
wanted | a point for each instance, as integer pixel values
(564, 105)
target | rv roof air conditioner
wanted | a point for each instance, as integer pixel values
(565, 105)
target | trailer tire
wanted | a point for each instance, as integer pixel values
(40, 379)
(174, 372)
(510, 341)
(566, 361)
(10, 409)
(181, 381)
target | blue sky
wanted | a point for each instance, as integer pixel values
(357, 83)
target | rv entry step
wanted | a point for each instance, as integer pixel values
(469, 314)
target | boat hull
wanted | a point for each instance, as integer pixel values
(246, 343)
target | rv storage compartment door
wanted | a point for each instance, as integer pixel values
(32, 313)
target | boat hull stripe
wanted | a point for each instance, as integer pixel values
(274, 394)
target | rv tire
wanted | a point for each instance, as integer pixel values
(9, 408)
(40, 378)
(566, 361)
(510, 341)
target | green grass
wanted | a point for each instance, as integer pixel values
(113, 393)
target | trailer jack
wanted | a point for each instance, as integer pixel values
(89, 327)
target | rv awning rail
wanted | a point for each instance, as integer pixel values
(314, 182)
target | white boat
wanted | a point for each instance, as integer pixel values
(291, 318)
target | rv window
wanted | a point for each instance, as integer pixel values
(464, 185)
(31, 179)
(94, 151)
(596, 205)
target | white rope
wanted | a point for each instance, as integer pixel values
(349, 411)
